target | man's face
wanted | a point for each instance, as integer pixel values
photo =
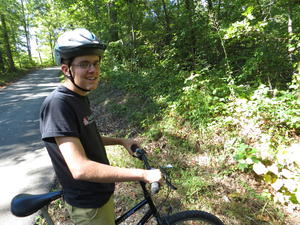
(86, 71)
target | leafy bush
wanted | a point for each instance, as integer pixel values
(266, 124)
(283, 174)
(7, 77)
(202, 97)
(245, 155)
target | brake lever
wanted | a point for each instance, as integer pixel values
(166, 175)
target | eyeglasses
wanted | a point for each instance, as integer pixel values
(87, 65)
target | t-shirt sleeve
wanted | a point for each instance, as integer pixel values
(58, 119)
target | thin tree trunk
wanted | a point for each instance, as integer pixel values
(37, 44)
(113, 21)
(1, 62)
(190, 10)
(210, 5)
(290, 32)
(11, 64)
(167, 22)
(26, 30)
(132, 24)
(132, 31)
(51, 46)
(216, 26)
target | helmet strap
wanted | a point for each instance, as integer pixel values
(71, 78)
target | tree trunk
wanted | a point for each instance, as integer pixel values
(38, 51)
(216, 26)
(26, 30)
(167, 23)
(192, 41)
(51, 45)
(132, 24)
(290, 32)
(132, 31)
(113, 21)
(1, 62)
(11, 64)
(210, 5)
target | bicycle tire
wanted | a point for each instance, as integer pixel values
(192, 217)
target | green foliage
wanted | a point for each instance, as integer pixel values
(6, 78)
(249, 39)
(202, 98)
(24, 62)
(256, 49)
(264, 118)
(267, 122)
(192, 185)
(282, 173)
(245, 156)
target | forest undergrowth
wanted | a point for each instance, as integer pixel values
(206, 172)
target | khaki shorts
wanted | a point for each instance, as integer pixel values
(99, 216)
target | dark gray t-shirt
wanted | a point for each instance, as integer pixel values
(65, 113)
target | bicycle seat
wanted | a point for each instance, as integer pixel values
(26, 204)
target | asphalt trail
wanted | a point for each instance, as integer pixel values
(24, 164)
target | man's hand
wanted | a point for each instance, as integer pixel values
(127, 143)
(151, 176)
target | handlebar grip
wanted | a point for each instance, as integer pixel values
(134, 147)
(155, 188)
(141, 154)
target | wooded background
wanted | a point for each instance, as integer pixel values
(248, 40)
(226, 70)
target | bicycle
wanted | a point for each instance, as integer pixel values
(26, 204)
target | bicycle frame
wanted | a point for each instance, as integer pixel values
(43, 201)
(36, 202)
(26, 204)
(151, 212)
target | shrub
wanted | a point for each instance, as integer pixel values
(266, 124)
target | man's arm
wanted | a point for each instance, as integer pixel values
(112, 141)
(126, 143)
(83, 168)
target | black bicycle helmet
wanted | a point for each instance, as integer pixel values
(77, 42)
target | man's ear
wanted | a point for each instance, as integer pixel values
(65, 69)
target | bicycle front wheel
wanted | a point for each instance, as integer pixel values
(192, 217)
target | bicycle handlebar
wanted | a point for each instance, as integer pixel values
(141, 155)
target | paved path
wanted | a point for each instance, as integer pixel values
(24, 164)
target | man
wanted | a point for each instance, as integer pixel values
(71, 137)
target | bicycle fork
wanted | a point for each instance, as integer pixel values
(152, 211)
